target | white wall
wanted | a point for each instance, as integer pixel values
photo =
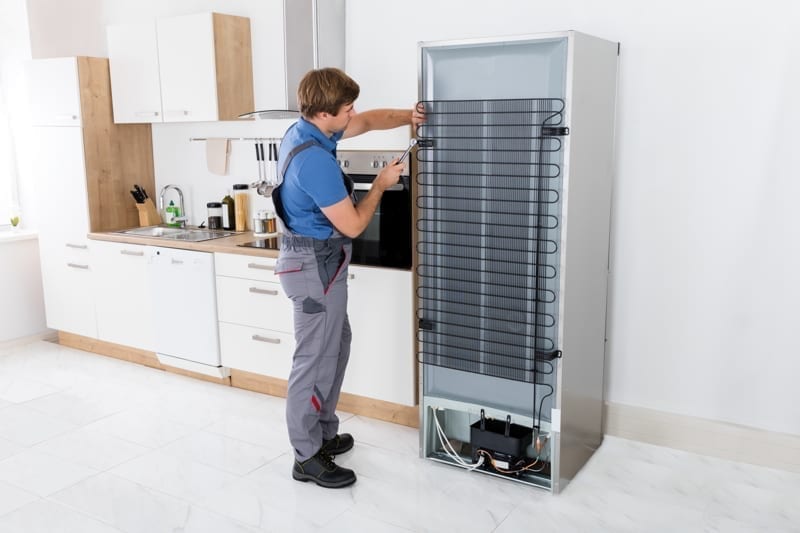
(704, 296)
(704, 239)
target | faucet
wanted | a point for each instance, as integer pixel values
(183, 218)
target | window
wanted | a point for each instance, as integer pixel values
(8, 167)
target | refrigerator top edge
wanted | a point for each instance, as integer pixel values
(506, 39)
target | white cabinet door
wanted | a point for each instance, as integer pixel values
(53, 94)
(67, 283)
(188, 68)
(60, 180)
(382, 355)
(123, 295)
(135, 81)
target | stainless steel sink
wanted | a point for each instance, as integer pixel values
(176, 234)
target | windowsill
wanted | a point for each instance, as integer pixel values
(8, 235)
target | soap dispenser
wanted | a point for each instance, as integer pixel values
(171, 213)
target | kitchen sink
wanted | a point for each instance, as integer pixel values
(176, 234)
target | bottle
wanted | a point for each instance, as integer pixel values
(171, 213)
(241, 200)
(228, 215)
(214, 215)
(272, 229)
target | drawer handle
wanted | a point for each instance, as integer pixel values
(260, 267)
(78, 246)
(130, 252)
(270, 340)
(177, 262)
(271, 292)
(75, 265)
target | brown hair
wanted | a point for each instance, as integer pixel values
(325, 91)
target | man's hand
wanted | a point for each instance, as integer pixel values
(390, 175)
(418, 115)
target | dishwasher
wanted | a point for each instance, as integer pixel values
(185, 310)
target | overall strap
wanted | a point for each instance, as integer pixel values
(293, 152)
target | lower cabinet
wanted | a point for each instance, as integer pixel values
(67, 282)
(257, 333)
(123, 294)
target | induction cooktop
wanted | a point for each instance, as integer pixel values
(265, 244)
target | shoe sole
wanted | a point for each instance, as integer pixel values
(326, 484)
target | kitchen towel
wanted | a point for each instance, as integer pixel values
(217, 151)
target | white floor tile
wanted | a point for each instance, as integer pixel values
(23, 425)
(178, 476)
(126, 505)
(218, 451)
(44, 516)
(40, 473)
(92, 448)
(184, 455)
(12, 498)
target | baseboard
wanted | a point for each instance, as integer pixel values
(702, 436)
(46, 335)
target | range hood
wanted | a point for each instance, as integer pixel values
(313, 37)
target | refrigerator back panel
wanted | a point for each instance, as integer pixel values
(493, 70)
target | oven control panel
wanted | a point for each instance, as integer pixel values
(367, 161)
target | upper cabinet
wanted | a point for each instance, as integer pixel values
(54, 92)
(192, 68)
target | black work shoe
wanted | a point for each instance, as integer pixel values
(323, 471)
(338, 444)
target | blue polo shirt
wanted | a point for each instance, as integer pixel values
(311, 181)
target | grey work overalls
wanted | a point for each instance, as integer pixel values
(313, 274)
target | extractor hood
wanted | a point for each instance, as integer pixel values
(313, 37)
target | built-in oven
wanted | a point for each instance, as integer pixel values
(386, 242)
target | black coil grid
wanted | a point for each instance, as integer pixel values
(489, 182)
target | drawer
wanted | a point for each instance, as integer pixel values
(254, 303)
(255, 350)
(245, 266)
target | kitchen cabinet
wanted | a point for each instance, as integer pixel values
(123, 295)
(382, 354)
(257, 331)
(181, 69)
(81, 177)
(255, 316)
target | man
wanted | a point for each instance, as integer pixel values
(315, 205)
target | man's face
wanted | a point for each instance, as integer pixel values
(340, 121)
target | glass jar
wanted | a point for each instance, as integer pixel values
(241, 201)
(214, 215)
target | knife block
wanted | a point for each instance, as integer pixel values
(148, 215)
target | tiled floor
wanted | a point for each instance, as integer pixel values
(90, 444)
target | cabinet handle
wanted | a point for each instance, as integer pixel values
(131, 252)
(68, 116)
(260, 267)
(177, 262)
(351, 276)
(271, 292)
(146, 113)
(184, 112)
(75, 265)
(270, 340)
(78, 246)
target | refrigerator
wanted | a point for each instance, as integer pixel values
(513, 208)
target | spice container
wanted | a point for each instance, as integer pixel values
(241, 201)
(214, 215)
(272, 229)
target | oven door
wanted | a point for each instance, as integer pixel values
(386, 242)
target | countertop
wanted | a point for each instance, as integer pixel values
(227, 245)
